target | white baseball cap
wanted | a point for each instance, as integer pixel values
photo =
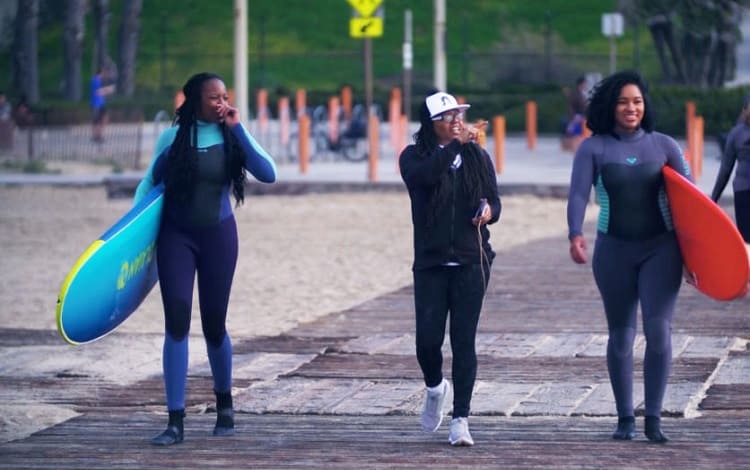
(441, 102)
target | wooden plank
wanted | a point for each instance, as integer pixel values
(119, 439)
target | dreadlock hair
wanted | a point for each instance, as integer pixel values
(475, 176)
(600, 115)
(182, 167)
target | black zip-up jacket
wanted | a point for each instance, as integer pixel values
(451, 237)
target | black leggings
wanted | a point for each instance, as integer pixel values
(437, 291)
(742, 213)
(629, 272)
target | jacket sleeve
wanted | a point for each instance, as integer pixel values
(493, 198)
(417, 171)
(257, 161)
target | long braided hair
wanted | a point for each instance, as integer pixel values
(182, 167)
(475, 176)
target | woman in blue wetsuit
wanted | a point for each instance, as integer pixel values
(737, 149)
(636, 255)
(199, 161)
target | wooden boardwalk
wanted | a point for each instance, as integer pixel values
(345, 391)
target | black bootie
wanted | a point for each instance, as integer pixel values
(652, 429)
(625, 428)
(224, 414)
(174, 433)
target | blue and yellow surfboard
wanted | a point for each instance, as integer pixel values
(112, 277)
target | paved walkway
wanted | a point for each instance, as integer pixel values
(344, 391)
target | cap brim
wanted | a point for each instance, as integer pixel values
(460, 107)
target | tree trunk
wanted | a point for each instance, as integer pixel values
(73, 34)
(128, 46)
(25, 51)
(102, 17)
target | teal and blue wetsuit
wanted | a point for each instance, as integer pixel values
(200, 236)
(636, 255)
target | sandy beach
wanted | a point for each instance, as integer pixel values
(300, 256)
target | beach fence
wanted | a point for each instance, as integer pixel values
(65, 136)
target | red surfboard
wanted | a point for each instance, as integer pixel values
(711, 246)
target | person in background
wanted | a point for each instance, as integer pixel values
(99, 92)
(453, 192)
(200, 161)
(636, 256)
(6, 122)
(577, 102)
(737, 149)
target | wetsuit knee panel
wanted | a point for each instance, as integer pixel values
(177, 320)
(621, 341)
(658, 335)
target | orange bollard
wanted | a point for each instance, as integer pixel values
(698, 126)
(531, 124)
(333, 119)
(284, 119)
(262, 104)
(300, 102)
(346, 102)
(498, 131)
(403, 138)
(394, 114)
(179, 98)
(304, 143)
(689, 118)
(374, 141)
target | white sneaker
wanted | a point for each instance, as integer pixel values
(432, 414)
(459, 435)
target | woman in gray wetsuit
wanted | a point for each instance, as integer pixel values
(636, 256)
(737, 149)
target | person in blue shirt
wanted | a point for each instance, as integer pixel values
(636, 256)
(200, 161)
(99, 91)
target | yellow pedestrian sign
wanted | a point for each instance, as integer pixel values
(366, 27)
(365, 7)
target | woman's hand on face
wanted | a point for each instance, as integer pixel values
(231, 115)
(578, 249)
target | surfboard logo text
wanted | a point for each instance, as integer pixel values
(130, 269)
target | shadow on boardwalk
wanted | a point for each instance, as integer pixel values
(344, 391)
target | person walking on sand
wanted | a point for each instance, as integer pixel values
(636, 256)
(199, 161)
(453, 192)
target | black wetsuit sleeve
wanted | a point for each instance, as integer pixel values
(675, 158)
(728, 158)
(581, 180)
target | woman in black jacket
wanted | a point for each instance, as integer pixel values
(453, 192)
